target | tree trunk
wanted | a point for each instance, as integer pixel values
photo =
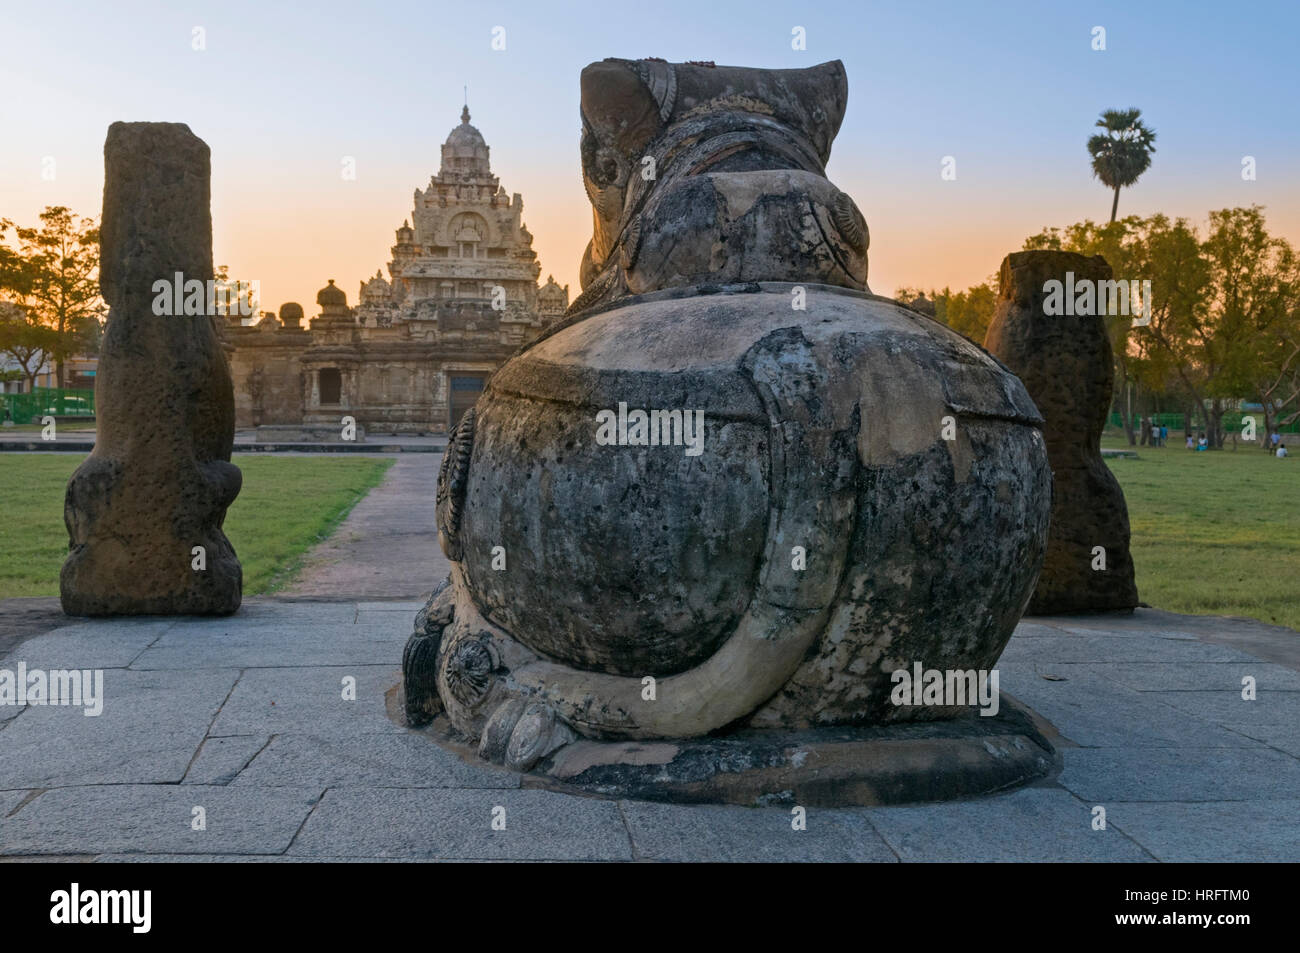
(1114, 206)
(1214, 425)
(1128, 411)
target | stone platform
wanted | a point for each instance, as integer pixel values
(867, 766)
(247, 718)
(307, 433)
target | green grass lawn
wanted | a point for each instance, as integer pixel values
(1214, 533)
(287, 505)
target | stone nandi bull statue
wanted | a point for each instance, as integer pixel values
(871, 491)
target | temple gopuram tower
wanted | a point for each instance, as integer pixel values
(460, 297)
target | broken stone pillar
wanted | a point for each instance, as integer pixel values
(144, 510)
(1065, 362)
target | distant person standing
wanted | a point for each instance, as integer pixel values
(1191, 444)
(1164, 435)
(1274, 439)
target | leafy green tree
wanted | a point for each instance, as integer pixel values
(968, 312)
(1223, 319)
(1221, 311)
(1254, 299)
(61, 260)
(28, 342)
(15, 275)
(1279, 387)
(1123, 152)
(1168, 253)
(916, 299)
(22, 340)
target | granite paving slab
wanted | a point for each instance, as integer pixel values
(130, 818)
(402, 760)
(1093, 711)
(1100, 775)
(334, 701)
(1230, 709)
(454, 825)
(679, 832)
(1215, 831)
(221, 758)
(151, 726)
(1034, 824)
(263, 645)
(246, 717)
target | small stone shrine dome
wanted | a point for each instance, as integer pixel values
(331, 296)
(291, 314)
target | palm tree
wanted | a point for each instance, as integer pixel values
(1123, 152)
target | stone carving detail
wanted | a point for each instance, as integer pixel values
(420, 658)
(144, 511)
(1066, 364)
(452, 476)
(819, 431)
(469, 670)
(660, 79)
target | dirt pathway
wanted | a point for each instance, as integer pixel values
(387, 548)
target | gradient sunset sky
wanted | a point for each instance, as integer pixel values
(283, 92)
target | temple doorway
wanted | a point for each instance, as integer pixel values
(466, 387)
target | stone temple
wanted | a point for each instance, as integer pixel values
(413, 355)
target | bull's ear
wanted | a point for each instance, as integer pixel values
(618, 108)
(587, 270)
(826, 87)
(837, 79)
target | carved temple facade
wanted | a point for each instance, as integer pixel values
(413, 354)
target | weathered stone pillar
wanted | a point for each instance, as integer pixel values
(144, 510)
(350, 396)
(1065, 362)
